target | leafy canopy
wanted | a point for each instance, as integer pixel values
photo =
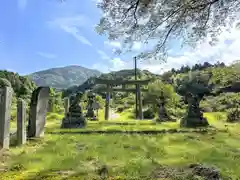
(129, 21)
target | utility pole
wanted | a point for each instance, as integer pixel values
(136, 93)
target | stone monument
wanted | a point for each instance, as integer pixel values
(66, 105)
(21, 118)
(38, 111)
(162, 112)
(74, 117)
(90, 109)
(194, 116)
(5, 109)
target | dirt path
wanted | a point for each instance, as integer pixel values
(113, 115)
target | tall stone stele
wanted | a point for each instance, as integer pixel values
(74, 117)
(90, 109)
(21, 118)
(38, 112)
(5, 110)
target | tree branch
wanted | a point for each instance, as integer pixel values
(170, 30)
(134, 13)
(167, 18)
(208, 15)
(126, 13)
(203, 6)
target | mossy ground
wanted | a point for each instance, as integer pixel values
(82, 156)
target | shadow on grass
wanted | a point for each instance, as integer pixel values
(49, 174)
(170, 131)
(14, 143)
(128, 123)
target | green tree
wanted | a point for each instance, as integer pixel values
(159, 92)
(55, 101)
(4, 82)
(144, 20)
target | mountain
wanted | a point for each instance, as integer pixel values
(126, 74)
(63, 77)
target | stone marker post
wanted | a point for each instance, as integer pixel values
(140, 112)
(107, 103)
(5, 109)
(21, 118)
(66, 105)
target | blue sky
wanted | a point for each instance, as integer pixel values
(42, 34)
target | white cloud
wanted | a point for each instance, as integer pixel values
(22, 4)
(114, 64)
(226, 50)
(118, 45)
(75, 33)
(117, 63)
(72, 26)
(137, 46)
(113, 44)
(103, 55)
(47, 55)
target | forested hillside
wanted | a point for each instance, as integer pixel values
(63, 77)
(115, 75)
(21, 85)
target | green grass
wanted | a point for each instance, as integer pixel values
(126, 156)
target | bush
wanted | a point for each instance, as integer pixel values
(54, 116)
(176, 113)
(233, 115)
(148, 114)
(120, 109)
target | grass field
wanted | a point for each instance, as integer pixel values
(73, 154)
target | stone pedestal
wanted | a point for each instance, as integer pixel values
(194, 117)
(162, 114)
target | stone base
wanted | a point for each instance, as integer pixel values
(90, 114)
(194, 122)
(93, 118)
(73, 122)
(165, 118)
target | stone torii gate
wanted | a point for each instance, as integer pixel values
(109, 88)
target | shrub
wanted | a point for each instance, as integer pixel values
(120, 109)
(148, 113)
(233, 115)
(54, 116)
(176, 113)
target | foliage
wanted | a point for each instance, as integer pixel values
(4, 82)
(195, 83)
(115, 75)
(233, 115)
(221, 103)
(149, 113)
(22, 86)
(161, 21)
(155, 90)
(55, 101)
